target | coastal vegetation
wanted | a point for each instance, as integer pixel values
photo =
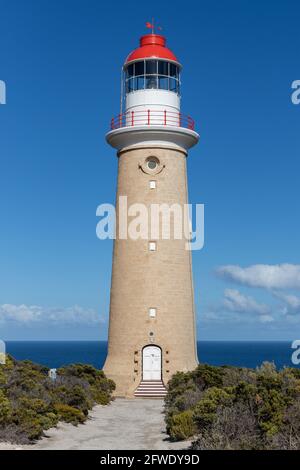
(235, 408)
(31, 402)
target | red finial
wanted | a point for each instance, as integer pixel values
(152, 26)
(152, 45)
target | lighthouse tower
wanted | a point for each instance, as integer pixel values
(152, 319)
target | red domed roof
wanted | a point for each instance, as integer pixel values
(152, 45)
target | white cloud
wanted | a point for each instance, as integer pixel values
(236, 307)
(291, 303)
(234, 301)
(266, 319)
(279, 276)
(278, 280)
(28, 314)
(213, 316)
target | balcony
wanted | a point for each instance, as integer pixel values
(152, 117)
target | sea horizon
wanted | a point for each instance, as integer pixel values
(239, 353)
(105, 341)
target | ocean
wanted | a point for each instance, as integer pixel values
(251, 354)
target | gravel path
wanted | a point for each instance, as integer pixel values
(123, 425)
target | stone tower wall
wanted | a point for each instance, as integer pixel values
(142, 279)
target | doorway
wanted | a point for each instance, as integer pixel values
(151, 363)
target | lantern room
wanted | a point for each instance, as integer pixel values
(150, 100)
(151, 78)
(152, 74)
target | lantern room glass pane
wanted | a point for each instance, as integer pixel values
(173, 70)
(163, 83)
(139, 68)
(151, 82)
(163, 67)
(140, 83)
(173, 85)
(131, 85)
(151, 67)
(129, 71)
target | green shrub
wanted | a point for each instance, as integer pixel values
(75, 395)
(32, 428)
(205, 410)
(5, 409)
(101, 388)
(271, 410)
(236, 408)
(27, 423)
(30, 402)
(100, 396)
(211, 376)
(182, 426)
(35, 404)
(69, 414)
(48, 420)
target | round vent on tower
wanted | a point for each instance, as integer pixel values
(151, 166)
(152, 163)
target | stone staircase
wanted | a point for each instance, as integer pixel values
(151, 389)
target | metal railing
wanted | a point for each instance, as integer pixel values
(152, 117)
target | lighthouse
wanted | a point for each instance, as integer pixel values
(152, 332)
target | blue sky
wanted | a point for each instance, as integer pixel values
(61, 63)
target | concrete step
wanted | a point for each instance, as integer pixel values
(151, 388)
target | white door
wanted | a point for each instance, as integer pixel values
(151, 363)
